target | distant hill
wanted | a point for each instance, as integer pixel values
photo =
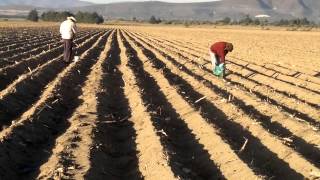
(45, 3)
(14, 10)
(215, 10)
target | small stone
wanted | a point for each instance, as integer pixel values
(60, 170)
(71, 168)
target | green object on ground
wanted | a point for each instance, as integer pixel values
(219, 70)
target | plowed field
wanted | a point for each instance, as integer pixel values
(142, 103)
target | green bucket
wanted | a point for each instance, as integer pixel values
(218, 71)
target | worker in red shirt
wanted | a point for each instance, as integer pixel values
(218, 52)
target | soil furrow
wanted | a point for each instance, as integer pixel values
(253, 129)
(153, 162)
(10, 73)
(294, 107)
(275, 83)
(275, 72)
(28, 35)
(142, 103)
(52, 34)
(29, 47)
(307, 145)
(220, 152)
(302, 138)
(15, 57)
(114, 152)
(269, 70)
(276, 68)
(19, 97)
(308, 114)
(20, 47)
(27, 144)
(70, 156)
(182, 148)
(19, 57)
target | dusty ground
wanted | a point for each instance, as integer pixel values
(139, 104)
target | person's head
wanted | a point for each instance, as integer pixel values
(229, 47)
(71, 18)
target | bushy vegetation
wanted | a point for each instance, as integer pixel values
(33, 16)
(82, 17)
(186, 23)
(247, 20)
(154, 20)
(55, 16)
(86, 17)
(294, 22)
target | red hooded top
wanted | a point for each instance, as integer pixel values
(218, 49)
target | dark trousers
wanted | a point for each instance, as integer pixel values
(67, 54)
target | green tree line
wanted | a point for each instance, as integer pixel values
(82, 17)
(33, 15)
(247, 20)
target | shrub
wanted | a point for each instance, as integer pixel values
(154, 20)
(33, 16)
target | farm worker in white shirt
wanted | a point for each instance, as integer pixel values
(68, 30)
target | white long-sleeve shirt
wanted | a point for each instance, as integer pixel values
(68, 29)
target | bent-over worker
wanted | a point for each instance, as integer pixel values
(218, 52)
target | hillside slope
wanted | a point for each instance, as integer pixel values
(46, 3)
(209, 10)
(215, 10)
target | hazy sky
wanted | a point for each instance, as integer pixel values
(177, 1)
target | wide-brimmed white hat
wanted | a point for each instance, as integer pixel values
(72, 18)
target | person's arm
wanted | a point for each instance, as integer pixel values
(61, 28)
(74, 29)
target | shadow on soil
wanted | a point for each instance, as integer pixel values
(30, 145)
(184, 151)
(114, 154)
(256, 155)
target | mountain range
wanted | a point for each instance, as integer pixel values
(45, 3)
(215, 10)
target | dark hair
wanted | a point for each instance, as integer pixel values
(229, 47)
